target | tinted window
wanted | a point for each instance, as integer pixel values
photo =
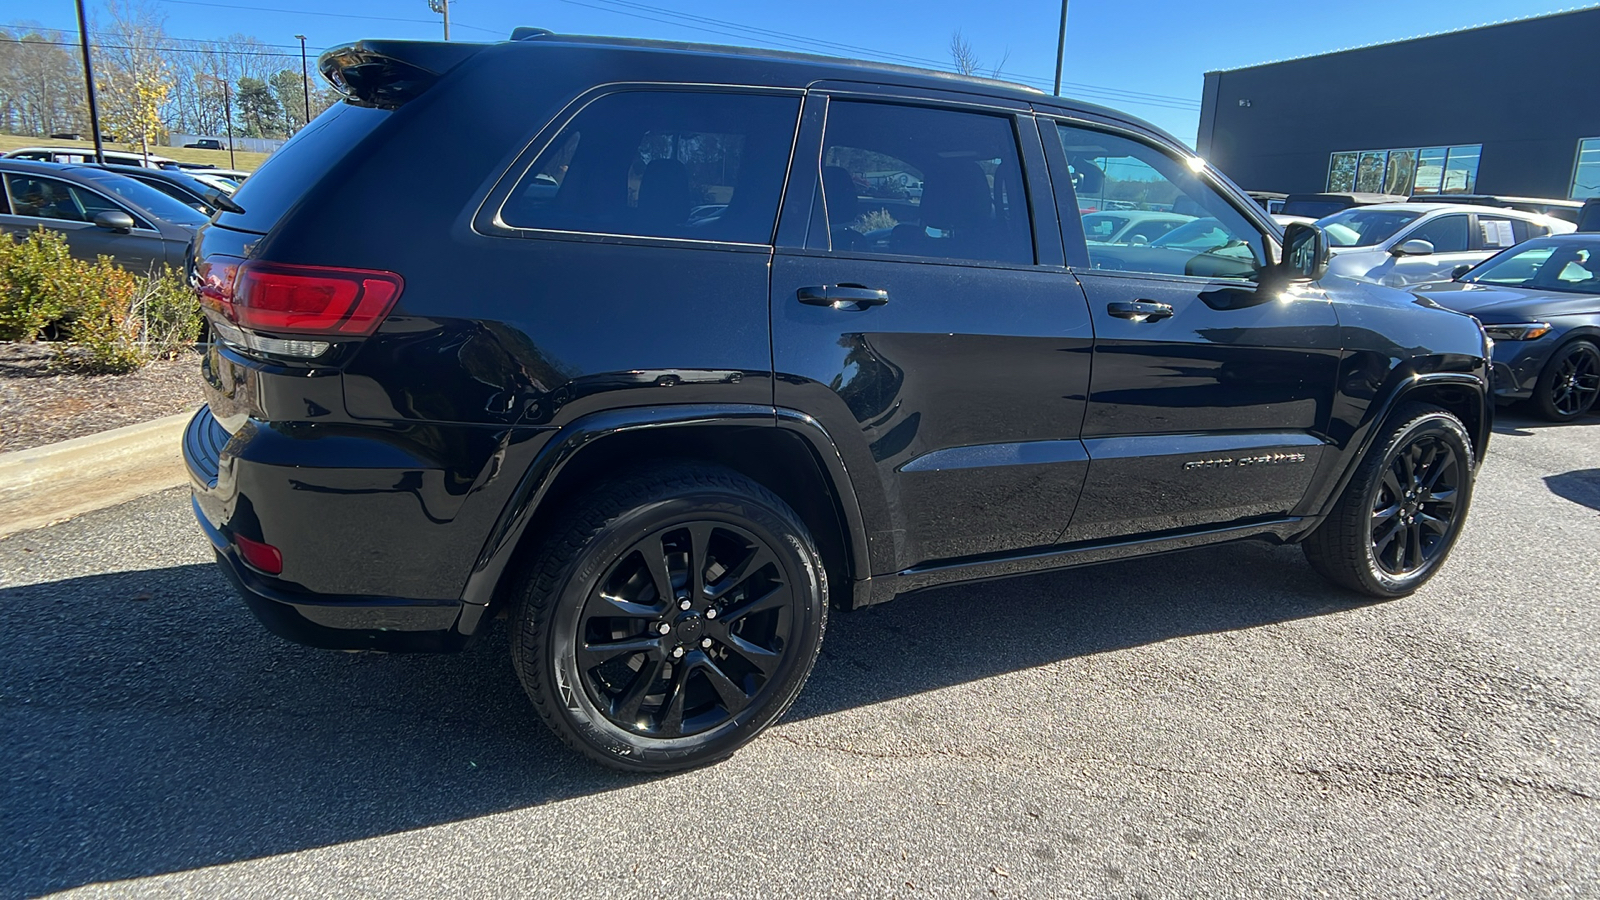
(296, 166)
(51, 198)
(1206, 236)
(923, 182)
(658, 164)
(1364, 227)
(145, 196)
(1447, 234)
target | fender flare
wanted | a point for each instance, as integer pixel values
(571, 439)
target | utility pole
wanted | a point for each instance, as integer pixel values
(305, 80)
(88, 81)
(1061, 46)
(227, 107)
(442, 6)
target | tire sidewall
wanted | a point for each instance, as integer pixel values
(800, 563)
(1449, 428)
(1544, 398)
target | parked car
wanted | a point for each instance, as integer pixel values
(1589, 215)
(1130, 226)
(85, 155)
(663, 445)
(205, 144)
(98, 212)
(1285, 221)
(1400, 244)
(1540, 302)
(1565, 210)
(1271, 201)
(1315, 206)
(188, 190)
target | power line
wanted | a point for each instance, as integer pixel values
(100, 46)
(329, 15)
(61, 32)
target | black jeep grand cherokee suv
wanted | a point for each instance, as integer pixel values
(662, 349)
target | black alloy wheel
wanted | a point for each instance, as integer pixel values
(669, 617)
(1394, 524)
(686, 630)
(1414, 515)
(1570, 382)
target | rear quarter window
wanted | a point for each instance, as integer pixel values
(298, 165)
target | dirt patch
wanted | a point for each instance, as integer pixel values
(41, 403)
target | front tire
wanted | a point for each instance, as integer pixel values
(1570, 382)
(1397, 520)
(670, 618)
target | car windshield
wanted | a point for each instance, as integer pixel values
(1571, 267)
(1365, 227)
(144, 196)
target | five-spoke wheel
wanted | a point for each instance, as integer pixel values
(1570, 383)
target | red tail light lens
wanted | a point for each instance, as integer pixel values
(294, 299)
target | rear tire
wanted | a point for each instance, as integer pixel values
(721, 563)
(1570, 382)
(1397, 520)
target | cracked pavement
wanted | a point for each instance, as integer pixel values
(1213, 723)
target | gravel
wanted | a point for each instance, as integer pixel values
(1218, 723)
(41, 403)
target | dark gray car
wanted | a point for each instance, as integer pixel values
(1540, 302)
(100, 213)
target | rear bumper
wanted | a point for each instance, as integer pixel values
(368, 561)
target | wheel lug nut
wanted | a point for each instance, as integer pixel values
(677, 652)
(706, 643)
(711, 613)
(665, 628)
(683, 604)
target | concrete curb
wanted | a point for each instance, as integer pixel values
(44, 485)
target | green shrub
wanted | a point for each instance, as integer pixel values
(36, 284)
(103, 335)
(167, 312)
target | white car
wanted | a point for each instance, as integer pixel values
(81, 154)
(1399, 244)
(1130, 226)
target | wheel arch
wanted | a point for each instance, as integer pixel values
(787, 452)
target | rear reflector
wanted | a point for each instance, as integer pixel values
(290, 299)
(260, 556)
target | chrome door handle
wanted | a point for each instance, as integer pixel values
(1140, 310)
(853, 297)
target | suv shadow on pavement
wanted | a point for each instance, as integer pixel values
(150, 731)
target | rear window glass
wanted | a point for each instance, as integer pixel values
(706, 166)
(297, 165)
(156, 202)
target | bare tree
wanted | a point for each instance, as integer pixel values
(135, 79)
(962, 55)
(40, 89)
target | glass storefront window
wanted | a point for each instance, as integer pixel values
(1402, 168)
(1369, 171)
(1342, 172)
(1461, 170)
(1586, 174)
(1430, 170)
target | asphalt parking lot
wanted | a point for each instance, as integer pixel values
(1217, 723)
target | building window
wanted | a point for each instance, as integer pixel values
(1586, 174)
(1430, 170)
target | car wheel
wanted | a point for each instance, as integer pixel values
(673, 615)
(1570, 382)
(1396, 521)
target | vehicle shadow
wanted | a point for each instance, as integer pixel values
(152, 726)
(1579, 486)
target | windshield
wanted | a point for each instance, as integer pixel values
(1365, 227)
(1571, 267)
(143, 196)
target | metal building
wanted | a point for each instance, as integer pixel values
(1511, 108)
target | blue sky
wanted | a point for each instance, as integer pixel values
(1143, 56)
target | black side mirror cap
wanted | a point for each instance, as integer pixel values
(1305, 252)
(114, 220)
(1458, 271)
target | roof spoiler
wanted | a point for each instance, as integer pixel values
(387, 74)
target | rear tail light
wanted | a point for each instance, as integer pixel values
(280, 298)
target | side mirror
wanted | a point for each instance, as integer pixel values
(114, 220)
(1305, 252)
(1413, 247)
(1458, 271)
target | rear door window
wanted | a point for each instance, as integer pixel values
(695, 165)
